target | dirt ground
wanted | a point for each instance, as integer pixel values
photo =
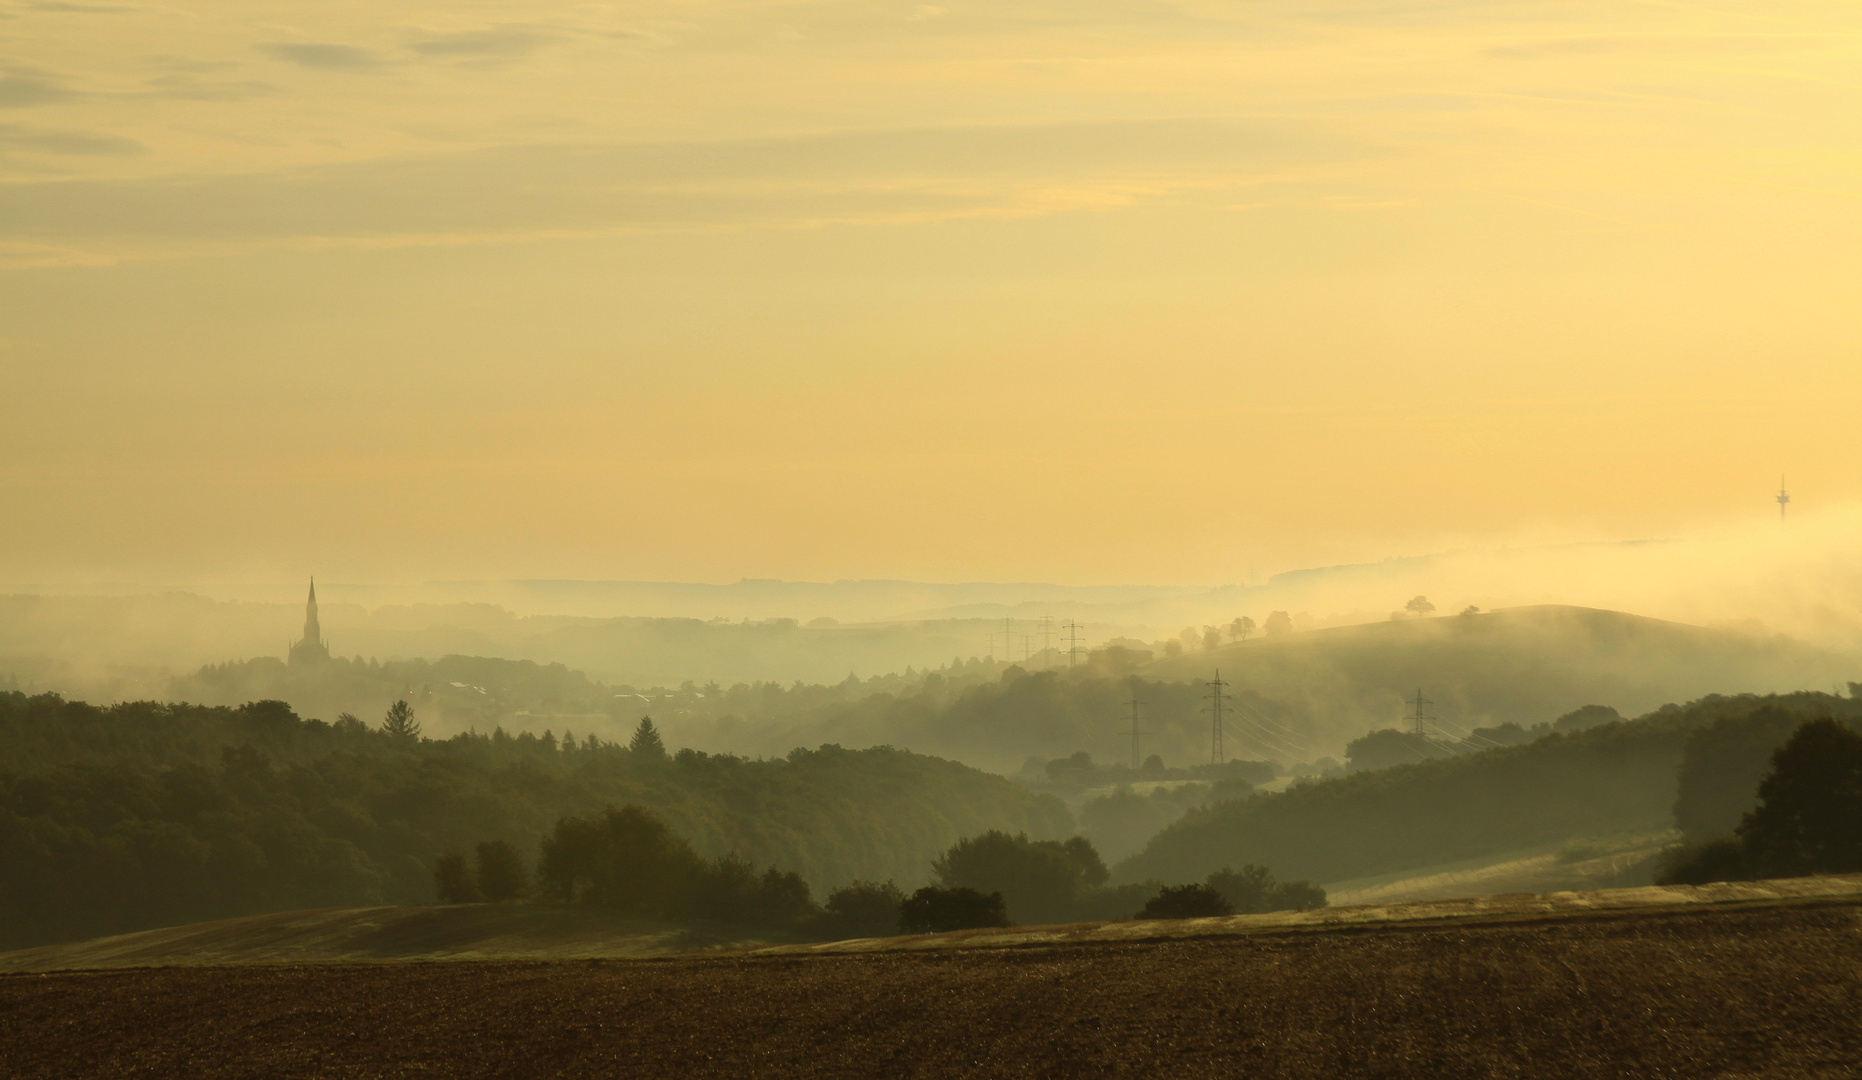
(1736, 992)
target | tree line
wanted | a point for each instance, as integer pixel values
(629, 861)
(146, 814)
(1696, 766)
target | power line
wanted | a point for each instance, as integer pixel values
(1047, 635)
(1287, 735)
(1285, 743)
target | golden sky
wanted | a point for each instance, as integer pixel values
(1086, 292)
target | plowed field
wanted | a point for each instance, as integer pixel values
(1747, 992)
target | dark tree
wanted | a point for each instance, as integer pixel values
(1589, 716)
(1185, 902)
(1253, 890)
(646, 742)
(1809, 817)
(399, 723)
(501, 873)
(1388, 748)
(1041, 880)
(1297, 896)
(452, 879)
(783, 900)
(1722, 766)
(862, 909)
(1699, 864)
(932, 910)
(626, 859)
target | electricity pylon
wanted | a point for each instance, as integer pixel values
(1215, 718)
(1418, 716)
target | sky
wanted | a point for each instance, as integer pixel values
(1092, 292)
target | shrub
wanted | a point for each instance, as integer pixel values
(1185, 902)
(932, 910)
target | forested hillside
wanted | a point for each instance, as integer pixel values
(1521, 665)
(1610, 779)
(145, 814)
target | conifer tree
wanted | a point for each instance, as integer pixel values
(646, 742)
(399, 723)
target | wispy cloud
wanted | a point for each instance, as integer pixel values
(885, 177)
(323, 55)
(78, 9)
(23, 88)
(74, 143)
(497, 43)
(1673, 44)
(183, 86)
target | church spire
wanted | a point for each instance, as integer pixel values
(312, 647)
(312, 632)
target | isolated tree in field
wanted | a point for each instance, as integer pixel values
(646, 742)
(399, 723)
(501, 873)
(1241, 628)
(1809, 817)
(452, 879)
(932, 910)
(1173, 647)
(1278, 622)
(1419, 606)
(1185, 902)
(1212, 638)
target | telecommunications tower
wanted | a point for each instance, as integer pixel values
(1784, 497)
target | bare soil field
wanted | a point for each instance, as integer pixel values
(1754, 986)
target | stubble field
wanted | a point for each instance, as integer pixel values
(1746, 992)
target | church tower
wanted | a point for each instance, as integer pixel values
(312, 648)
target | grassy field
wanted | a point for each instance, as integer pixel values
(1750, 981)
